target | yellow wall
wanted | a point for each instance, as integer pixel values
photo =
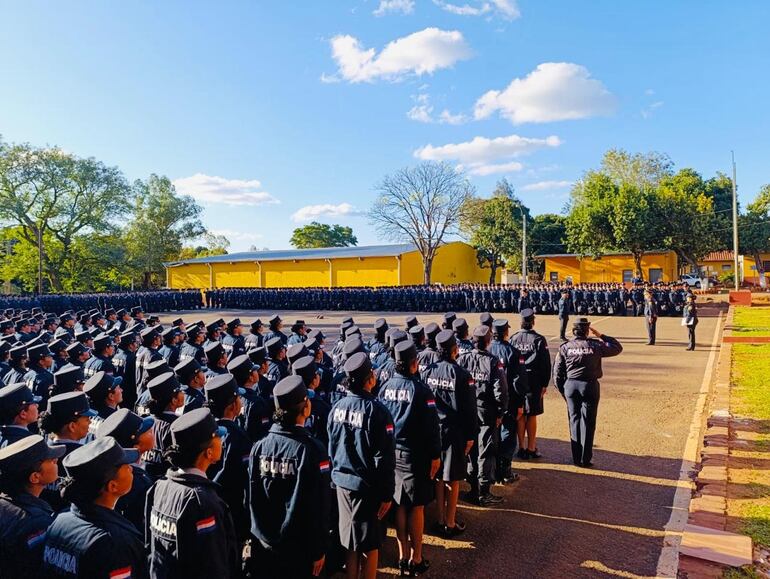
(609, 268)
(455, 262)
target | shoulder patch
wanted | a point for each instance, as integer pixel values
(206, 525)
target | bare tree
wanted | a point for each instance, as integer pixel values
(421, 204)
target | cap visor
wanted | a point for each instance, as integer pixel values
(37, 399)
(220, 431)
(241, 392)
(117, 380)
(90, 413)
(55, 451)
(130, 456)
(147, 423)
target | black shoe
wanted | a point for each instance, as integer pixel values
(404, 568)
(587, 464)
(419, 568)
(489, 500)
(471, 497)
(522, 453)
(534, 454)
(438, 528)
(451, 532)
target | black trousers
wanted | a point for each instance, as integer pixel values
(691, 337)
(651, 330)
(483, 457)
(582, 407)
(563, 327)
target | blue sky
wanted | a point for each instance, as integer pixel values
(275, 113)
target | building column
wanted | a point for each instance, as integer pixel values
(331, 273)
(398, 262)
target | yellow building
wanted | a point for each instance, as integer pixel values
(659, 266)
(378, 265)
(720, 262)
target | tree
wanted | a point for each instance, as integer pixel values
(212, 245)
(421, 204)
(493, 227)
(322, 235)
(642, 170)
(546, 235)
(163, 221)
(57, 197)
(754, 230)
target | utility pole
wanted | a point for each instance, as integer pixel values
(524, 246)
(735, 228)
(39, 260)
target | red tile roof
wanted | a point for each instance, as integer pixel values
(719, 256)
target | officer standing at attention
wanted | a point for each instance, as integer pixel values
(533, 347)
(576, 374)
(91, 539)
(564, 310)
(255, 339)
(131, 431)
(690, 319)
(362, 450)
(39, 379)
(165, 399)
(104, 395)
(418, 454)
(233, 341)
(491, 403)
(188, 528)
(456, 405)
(650, 316)
(192, 379)
(26, 467)
(124, 362)
(18, 411)
(275, 330)
(289, 491)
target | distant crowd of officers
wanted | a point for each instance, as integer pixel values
(130, 449)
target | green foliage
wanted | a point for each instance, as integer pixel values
(754, 227)
(494, 228)
(751, 321)
(322, 235)
(641, 170)
(547, 234)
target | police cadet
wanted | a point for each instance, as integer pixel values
(147, 352)
(516, 379)
(491, 404)
(429, 354)
(18, 411)
(170, 350)
(298, 333)
(124, 362)
(564, 310)
(165, 399)
(378, 344)
(275, 324)
(18, 365)
(69, 379)
(690, 319)
(91, 539)
(191, 377)
(650, 316)
(26, 467)
(277, 366)
(533, 347)
(223, 398)
(153, 370)
(362, 450)
(188, 527)
(193, 346)
(318, 420)
(132, 431)
(104, 395)
(39, 378)
(576, 374)
(254, 339)
(216, 359)
(289, 491)
(460, 329)
(233, 341)
(418, 454)
(101, 359)
(455, 397)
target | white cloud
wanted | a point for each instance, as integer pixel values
(554, 91)
(422, 112)
(649, 92)
(234, 235)
(402, 6)
(420, 53)
(650, 109)
(311, 212)
(507, 9)
(209, 189)
(547, 185)
(483, 156)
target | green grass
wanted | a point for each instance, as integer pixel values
(741, 573)
(756, 522)
(751, 381)
(749, 321)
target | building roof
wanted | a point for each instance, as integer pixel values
(315, 253)
(719, 256)
(606, 253)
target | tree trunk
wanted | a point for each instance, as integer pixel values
(492, 272)
(638, 264)
(427, 265)
(760, 268)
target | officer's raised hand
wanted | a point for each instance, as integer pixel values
(595, 332)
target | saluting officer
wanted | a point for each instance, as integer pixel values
(289, 491)
(188, 526)
(533, 347)
(131, 431)
(362, 450)
(455, 397)
(491, 403)
(576, 374)
(26, 467)
(91, 539)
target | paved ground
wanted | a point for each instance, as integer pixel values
(558, 520)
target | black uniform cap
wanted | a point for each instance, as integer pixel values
(121, 312)
(68, 377)
(381, 325)
(312, 345)
(99, 385)
(15, 396)
(316, 334)
(169, 334)
(91, 461)
(417, 332)
(65, 318)
(148, 335)
(397, 336)
(431, 330)
(157, 367)
(347, 320)
(581, 323)
(94, 332)
(70, 405)
(274, 320)
(212, 327)
(353, 331)
(358, 367)
(194, 428)
(306, 368)
(186, 370)
(258, 355)
(135, 310)
(214, 351)
(163, 387)
(486, 319)
(38, 352)
(256, 324)
(352, 346)
(109, 311)
(234, 323)
(527, 313)
(273, 346)
(18, 352)
(125, 427)
(405, 352)
(446, 339)
(289, 392)
(411, 321)
(102, 341)
(500, 326)
(241, 366)
(481, 331)
(76, 349)
(127, 338)
(178, 322)
(83, 336)
(112, 332)
(223, 388)
(24, 454)
(295, 352)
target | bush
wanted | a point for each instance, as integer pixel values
(727, 278)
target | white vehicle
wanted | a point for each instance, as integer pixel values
(691, 279)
